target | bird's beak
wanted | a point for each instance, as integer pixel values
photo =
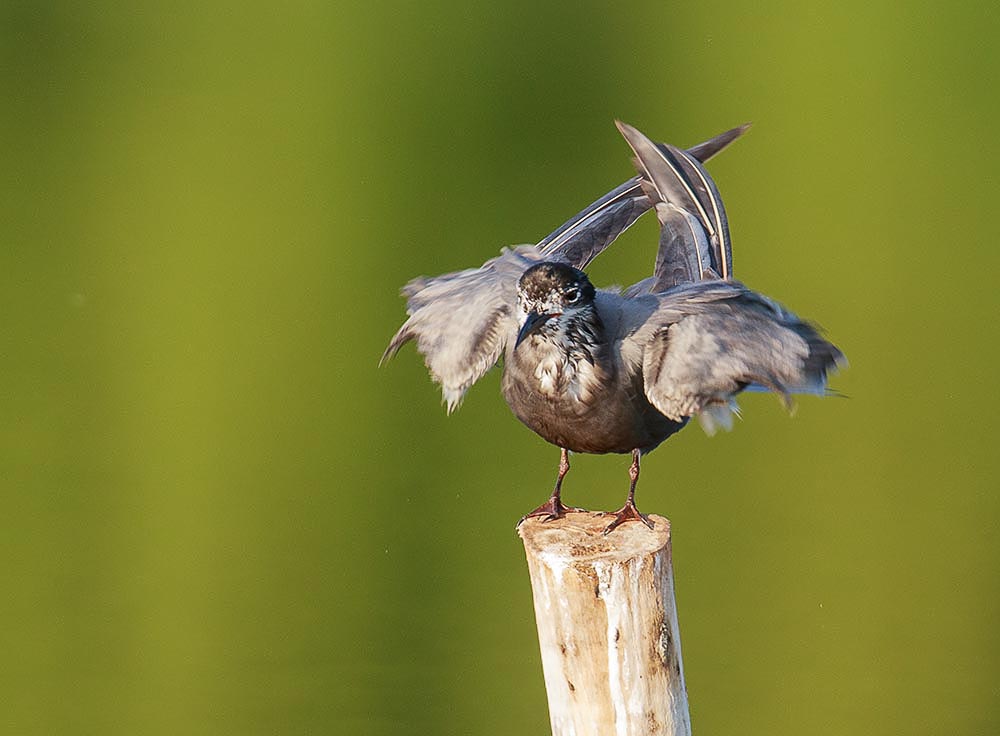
(531, 325)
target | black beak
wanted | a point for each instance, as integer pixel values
(532, 324)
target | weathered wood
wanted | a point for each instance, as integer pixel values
(607, 626)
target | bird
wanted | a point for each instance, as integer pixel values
(618, 371)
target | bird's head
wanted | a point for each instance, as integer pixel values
(548, 291)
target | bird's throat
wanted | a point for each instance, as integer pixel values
(566, 357)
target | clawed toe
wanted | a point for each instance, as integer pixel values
(550, 511)
(628, 512)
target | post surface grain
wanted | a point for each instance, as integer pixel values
(607, 626)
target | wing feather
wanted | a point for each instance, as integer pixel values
(585, 235)
(707, 342)
(675, 180)
(461, 321)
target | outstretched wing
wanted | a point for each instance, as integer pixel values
(708, 341)
(585, 235)
(694, 233)
(462, 321)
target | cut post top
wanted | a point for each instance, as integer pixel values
(579, 537)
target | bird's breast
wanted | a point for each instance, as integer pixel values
(584, 405)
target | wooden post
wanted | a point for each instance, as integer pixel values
(607, 626)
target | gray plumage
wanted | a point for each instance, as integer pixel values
(602, 371)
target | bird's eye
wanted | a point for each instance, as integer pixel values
(571, 295)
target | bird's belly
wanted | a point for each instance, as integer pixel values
(610, 421)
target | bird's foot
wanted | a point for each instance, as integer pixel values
(551, 510)
(628, 512)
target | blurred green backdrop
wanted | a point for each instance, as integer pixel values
(220, 518)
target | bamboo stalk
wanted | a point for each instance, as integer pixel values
(607, 626)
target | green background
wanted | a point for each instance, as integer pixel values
(219, 517)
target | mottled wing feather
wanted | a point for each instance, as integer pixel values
(706, 342)
(461, 321)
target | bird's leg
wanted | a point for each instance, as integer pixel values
(554, 508)
(629, 512)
